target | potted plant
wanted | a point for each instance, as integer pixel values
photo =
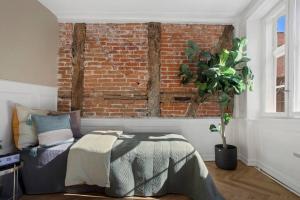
(221, 75)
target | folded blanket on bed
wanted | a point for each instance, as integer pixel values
(89, 159)
(156, 164)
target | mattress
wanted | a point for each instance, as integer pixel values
(44, 169)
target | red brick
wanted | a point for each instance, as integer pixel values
(116, 59)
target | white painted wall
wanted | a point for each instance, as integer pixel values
(266, 142)
(34, 96)
(29, 42)
(277, 140)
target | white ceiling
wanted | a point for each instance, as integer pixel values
(180, 11)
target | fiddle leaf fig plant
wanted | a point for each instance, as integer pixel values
(222, 75)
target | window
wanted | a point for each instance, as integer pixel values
(295, 56)
(279, 63)
(276, 46)
(282, 60)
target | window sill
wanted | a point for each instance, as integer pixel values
(273, 115)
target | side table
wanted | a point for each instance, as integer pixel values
(15, 170)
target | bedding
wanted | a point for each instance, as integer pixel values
(154, 165)
(44, 169)
(89, 159)
(141, 164)
(23, 131)
(53, 130)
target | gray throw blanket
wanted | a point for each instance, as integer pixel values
(154, 165)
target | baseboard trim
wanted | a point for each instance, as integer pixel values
(244, 159)
(280, 178)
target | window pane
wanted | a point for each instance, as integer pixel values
(281, 30)
(280, 99)
(280, 84)
(280, 71)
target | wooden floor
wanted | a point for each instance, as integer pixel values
(245, 183)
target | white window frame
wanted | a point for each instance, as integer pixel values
(272, 52)
(291, 8)
(294, 57)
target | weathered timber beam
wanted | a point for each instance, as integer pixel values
(109, 97)
(79, 37)
(116, 94)
(173, 97)
(177, 97)
(193, 107)
(225, 41)
(154, 38)
(192, 99)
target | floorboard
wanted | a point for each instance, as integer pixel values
(245, 183)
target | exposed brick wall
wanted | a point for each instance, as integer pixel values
(65, 67)
(116, 68)
(174, 38)
(115, 64)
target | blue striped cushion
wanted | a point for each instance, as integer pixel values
(53, 130)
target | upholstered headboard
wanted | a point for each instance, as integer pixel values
(34, 96)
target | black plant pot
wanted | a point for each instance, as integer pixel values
(226, 158)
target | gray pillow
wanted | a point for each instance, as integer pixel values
(52, 130)
(75, 121)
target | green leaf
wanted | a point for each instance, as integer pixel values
(193, 45)
(212, 85)
(239, 44)
(228, 71)
(213, 128)
(224, 99)
(227, 117)
(242, 86)
(202, 64)
(185, 74)
(245, 59)
(223, 57)
(236, 90)
(192, 51)
(235, 80)
(233, 55)
(207, 55)
(250, 86)
(236, 44)
(246, 72)
(212, 72)
(243, 43)
(201, 86)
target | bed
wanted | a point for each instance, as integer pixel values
(141, 164)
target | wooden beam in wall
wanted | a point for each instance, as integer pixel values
(154, 38)
(79, 37)
(225, 41)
